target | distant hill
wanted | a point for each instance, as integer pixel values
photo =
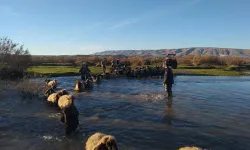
(181, 52)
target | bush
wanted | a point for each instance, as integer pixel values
(14, 60)
(234, 61)
(185, 60)
(198, 60)
(212, 60)
(30, 89)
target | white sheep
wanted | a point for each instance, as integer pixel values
(53, 98)
(49, 92)
(83, 85)
(96, 78)
(99, 141)
(65, 101)
(51, 83)
(190, 148)
(78, 85)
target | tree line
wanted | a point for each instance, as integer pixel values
(138, 60)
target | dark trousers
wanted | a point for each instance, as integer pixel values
(168, 88)
(85, 76)
(104, 69)
(69, 117)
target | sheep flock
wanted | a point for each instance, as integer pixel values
(64, 101)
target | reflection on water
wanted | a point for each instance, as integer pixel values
(209, 112)
(169, 102)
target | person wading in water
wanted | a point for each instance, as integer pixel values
(85, 72)
(168, 77)
(104, 64)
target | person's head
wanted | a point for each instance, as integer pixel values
(168, 64)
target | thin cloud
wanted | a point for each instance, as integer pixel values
(7, 11)
(123, 23)
(70, 40)
(75, 34)
(154, 13)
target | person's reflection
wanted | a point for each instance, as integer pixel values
(169, 102)
(168, 118)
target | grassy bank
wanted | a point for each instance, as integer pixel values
(71, 71)
(208, 72)
(59, 70)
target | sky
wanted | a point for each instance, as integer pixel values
(70, 27)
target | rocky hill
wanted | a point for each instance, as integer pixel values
(181, 52)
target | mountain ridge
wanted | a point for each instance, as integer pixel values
(214, 51)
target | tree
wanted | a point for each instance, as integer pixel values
(13, 57)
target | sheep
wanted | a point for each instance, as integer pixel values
(96, 78)
(53, 98)
(49, 92)
(190, 148)
(100, 141)
(69, 113)
(65, 101)
(78, 85)
(51, 83)
(81, 85)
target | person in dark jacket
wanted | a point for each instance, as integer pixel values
(168, 78)
(117, 62)
(69, 116)
(85, 72)
(113, 63)
(104, 64)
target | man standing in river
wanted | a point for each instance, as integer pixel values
(104, 64)
(168, 77)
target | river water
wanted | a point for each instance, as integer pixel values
(208, 112)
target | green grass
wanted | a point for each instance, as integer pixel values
(53, 69)
(212, 72)
(69, 70)
(60, 70)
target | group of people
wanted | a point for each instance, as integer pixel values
(114, 64)
(86, 73)
(168, 72)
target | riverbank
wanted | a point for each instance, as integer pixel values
(55, 71)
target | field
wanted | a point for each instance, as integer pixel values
(181, 70)
(59, 70)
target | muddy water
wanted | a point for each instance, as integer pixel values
(209, 112)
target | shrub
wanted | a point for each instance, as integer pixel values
(14, 60)
(30, 89)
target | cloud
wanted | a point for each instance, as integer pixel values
(154, 13)
(123, 23)
(7, 11)
(138, 18)
(70, 40)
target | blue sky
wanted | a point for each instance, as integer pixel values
(86, 26)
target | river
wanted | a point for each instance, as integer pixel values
(208, 112)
